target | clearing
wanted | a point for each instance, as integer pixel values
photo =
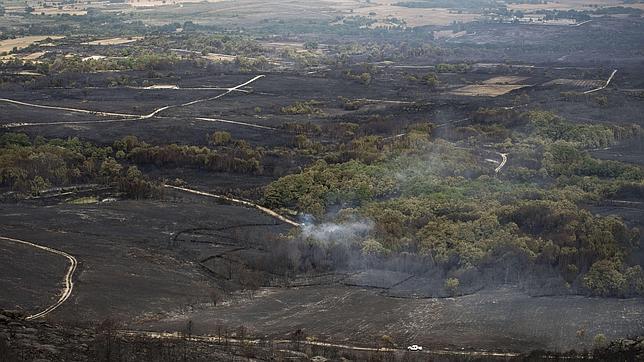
(114, 41)
(487, 90)
(23, 42)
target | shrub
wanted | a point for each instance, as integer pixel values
(451, 285)
(220, 138)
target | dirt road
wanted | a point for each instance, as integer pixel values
(605, 85)
(77, 110)
(305, 342)
(504, 160)
(230, 90)
(219, 120)
(126, 116)
(237, 201)
(69, 282)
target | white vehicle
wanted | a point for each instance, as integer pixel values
(415, 347)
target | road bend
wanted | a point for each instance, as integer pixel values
(504, 160)
(612, 75)
(69, 282)
(126, 116)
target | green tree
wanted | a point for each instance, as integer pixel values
(430, 79)
(110, 168)
(599, 341)
(605, 279)
(451, 285)
(220, 138)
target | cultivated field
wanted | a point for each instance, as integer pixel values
(22, 42)
(487, 90)
(113, 41)
(569, 5)
(153, 3)
(304, 175)
(413, 17)
(512, 79)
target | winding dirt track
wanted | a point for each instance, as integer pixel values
(237, 201)
(219, 120)
(230, 90)
(77, 110)
(504, 160)
(605, 85)
(219, 340)
(126, 116)
(69, 282)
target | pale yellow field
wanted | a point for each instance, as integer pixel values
(152, 3)
(50, 7)
(220, 57)
(579, 83)
(567, 5)
(65, 10)
(113, 41)
(94, 57)
(9, 44)
(284, 45)
(487, 90)
(413, 17)
(507, 79)
(31, 56)
(448, 34)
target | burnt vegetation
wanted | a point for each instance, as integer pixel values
(343, 150)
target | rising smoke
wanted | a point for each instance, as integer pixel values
(345, 232)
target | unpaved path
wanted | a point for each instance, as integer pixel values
(69, 283)
(77, 110)
(605, 85)
(239, 341)
(237, 201)
(127, 116)
(219, 120)
(504, 160)
(230, 90)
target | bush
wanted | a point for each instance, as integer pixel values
(599, 341)
(220, 138)
(307, 107)
(451, 285)
(605, 279)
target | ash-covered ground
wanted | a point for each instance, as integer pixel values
(132, 271)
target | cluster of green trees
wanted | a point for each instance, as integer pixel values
(550, 127)
(452, 68)
(30, 166)
(303, 107)
(384, 50)
(545, 145)
(147, 61)
(323, 185)
(443, 202)
(463, 4)
(563, 158)
(303, 59)
(429, 79)
(207, 43)
(142, 61)
(564, 14)
(364, 77)
(233, 156)
(375, 170)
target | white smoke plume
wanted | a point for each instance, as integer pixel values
(345, 232)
